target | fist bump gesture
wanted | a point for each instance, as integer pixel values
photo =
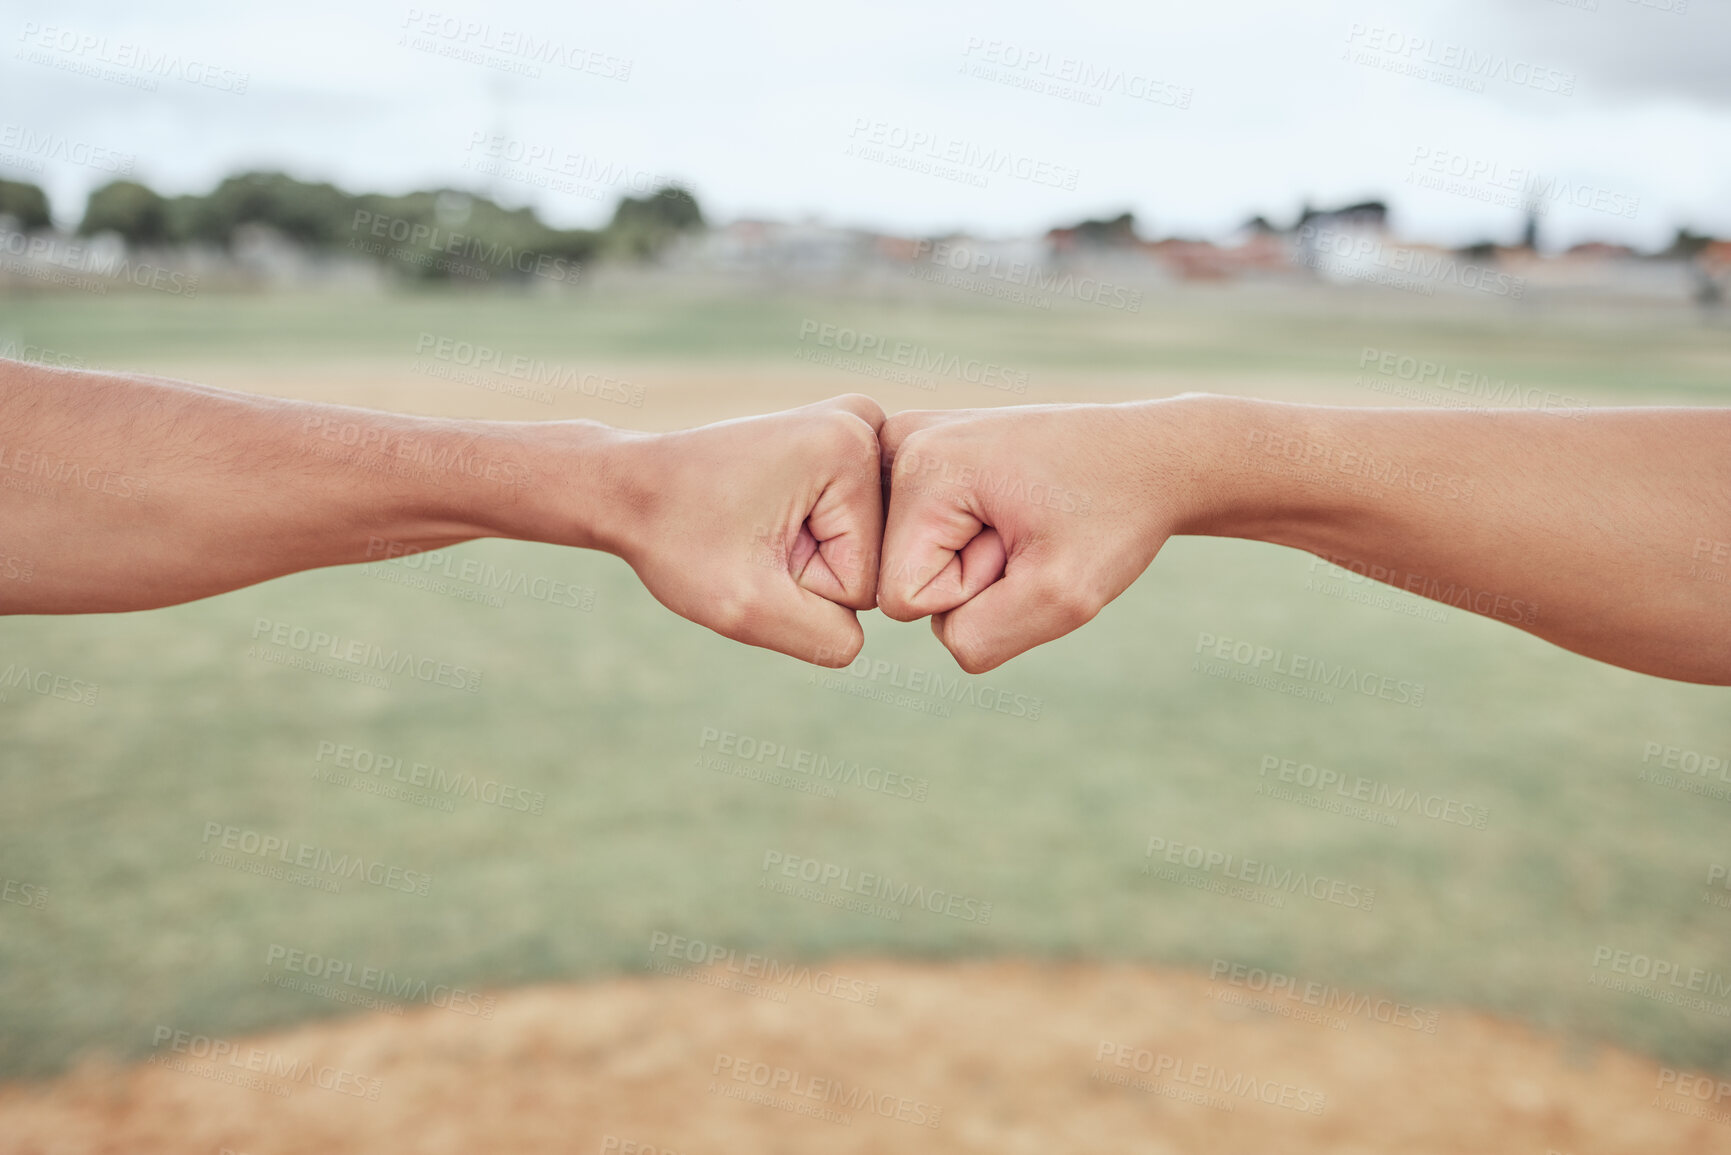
(1007, 527)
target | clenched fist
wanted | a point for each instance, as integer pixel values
(1011, 527)
(765, 529)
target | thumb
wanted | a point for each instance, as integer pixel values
(807, 626)
(937, 552)
(1032, 604)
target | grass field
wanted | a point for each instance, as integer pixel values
(604, 711)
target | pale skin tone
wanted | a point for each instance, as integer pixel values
(1604, 532)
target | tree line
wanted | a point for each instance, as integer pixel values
(322, 216)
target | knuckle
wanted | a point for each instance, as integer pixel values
(865, 406)
(899, 427)
(969, 653)
(733, 613)
(897, 607)
(893, 600)
(913, 454)
(849, 437)
(1063, 595)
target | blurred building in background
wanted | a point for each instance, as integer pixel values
(268, 230)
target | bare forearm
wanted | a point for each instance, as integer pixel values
(1585, 529)
(125, 493)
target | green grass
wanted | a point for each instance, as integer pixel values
(1048, 819)
(1603, 353)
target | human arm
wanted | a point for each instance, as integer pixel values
(1592, 522)
(126, 492)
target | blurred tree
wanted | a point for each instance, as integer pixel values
(1364, 214)
(642, 226)
(1118, 230)
(1687, 244)
(25, 203)
(1530, 234)
(450, 235)
(135, 211)
(314, 214)
(440, 234)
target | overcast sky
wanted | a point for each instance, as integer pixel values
(1617, 113)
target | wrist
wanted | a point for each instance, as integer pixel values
(1229, 467)
(589, 487)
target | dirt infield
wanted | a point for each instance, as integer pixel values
(873, 1056)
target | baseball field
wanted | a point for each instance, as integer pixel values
(622, 885)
